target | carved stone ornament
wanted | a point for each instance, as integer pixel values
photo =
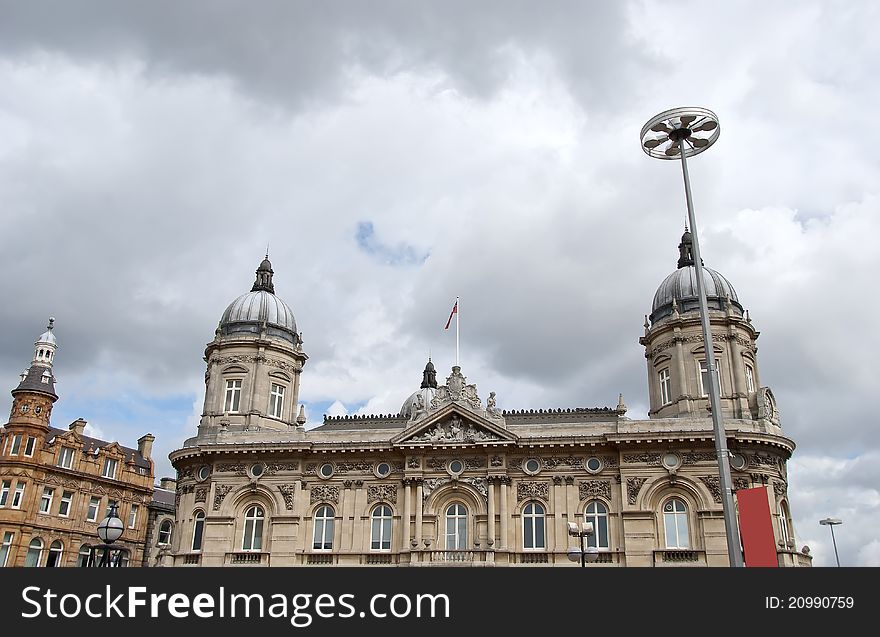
(274, 467)
(384, 492)
(693, 457)
(311, 468)
(237, 468)
(324, 493)
(713, 483)
(633, 486)
(287, 491)
(220, 492)
(497, 461)
(553, 462)
(432, 484)
(201, 494)
(250, 358)
(763, 460)
(646, 458)
(740, 483)
(594, 489)
(456, 389)
(455, 430)
(528, 490)
(779, 488)
(354, 466)
(413, 463)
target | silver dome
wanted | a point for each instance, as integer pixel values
(681, 287)
(248, 312)
(48, 336)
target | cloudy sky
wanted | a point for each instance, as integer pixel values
(394, 155)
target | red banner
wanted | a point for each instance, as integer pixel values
(756, 527)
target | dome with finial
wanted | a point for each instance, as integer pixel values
(678, 292)
(425, 393)
(250, 312)
(48, 336)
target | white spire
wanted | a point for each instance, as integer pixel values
(45, 346)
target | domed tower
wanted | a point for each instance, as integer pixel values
(420, 399)
(32, 400)
(678, 382)
(254, 363)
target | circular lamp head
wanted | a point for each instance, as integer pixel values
(110, 528)
(689, 129)
(830, 521)
(574, 554)
(592, 554)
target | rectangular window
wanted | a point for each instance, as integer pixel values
(665, 392)
(46, 500)
(4, 549)
(29, 447)
(276, 401)
(64, 507)
(94, 505)
(233, 396)
(16, 445)
(133, 516)
(65, 458)
(18, 496)
(750, 378)
(4, 492)
(109, 468)
(704, 378)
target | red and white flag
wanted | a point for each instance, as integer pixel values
(451, 314)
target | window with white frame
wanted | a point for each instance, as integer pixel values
(84, 557)
(18, 496)
(597, 513)
(198, 530)
(164, 533)
(65, 457)
(665, 386)
(133, 516)
(16, 445)
(784, 526)
(233, 396)
(29, 446)
(94, 506)
(322, 539)
(704, 378)
(533, 527)
(46, 500)
(110, 465)
(56, 552)
(750, 378)
(4, 492)
(35, 553)
(380, 539)
(5, 547)
(64, 506)
(276, 401)
(252, 539)
(675, 523)
(456, 527)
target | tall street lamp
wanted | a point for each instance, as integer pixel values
(109, 530)
(682, 133)
(585, 553)
(830, 523)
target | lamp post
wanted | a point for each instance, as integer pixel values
(680, 133)
(831, 523)
(109, 530)
(582, 554)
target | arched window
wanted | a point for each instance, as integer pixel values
(456, 527)
(56, 550)
(381, 529)
(597, 513)
(252, 540)
(164, 533)
(533, 527)
(785, 533)
(675, 523)
(323, 537)
(84, 556)
(198, 530)
(35, 553)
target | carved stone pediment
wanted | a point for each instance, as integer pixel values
(454, 424)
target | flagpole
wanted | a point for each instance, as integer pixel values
(457, 326)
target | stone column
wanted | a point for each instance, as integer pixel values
(490, 530)
(407, 508)
(682, 375)
(419, 514)
(505, 481)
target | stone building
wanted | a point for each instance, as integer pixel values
(56, 485)
(160, 524)
(453, 480)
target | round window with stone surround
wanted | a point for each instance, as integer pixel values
(382, 470)
(455, 467)
(204, 472)
(593, 464)
(257, 469)
(532, 466)
(671, 460)
(326, 470)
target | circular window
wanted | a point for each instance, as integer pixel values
(738, 461)
(455, 467)
(671, 460)
(326, 470)
(257, 470)
(532, 466)
(204, 472)
(594, 465)
(383, 469)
